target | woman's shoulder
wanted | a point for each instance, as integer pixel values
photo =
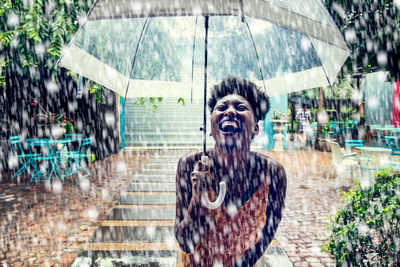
(272, 163)
(276, 170)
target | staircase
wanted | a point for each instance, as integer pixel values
(171, 125)
(139, 230)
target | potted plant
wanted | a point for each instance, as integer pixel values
(52, 124)
(279, 124)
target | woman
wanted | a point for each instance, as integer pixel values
(240, 230)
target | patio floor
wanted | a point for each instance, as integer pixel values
(50, 225)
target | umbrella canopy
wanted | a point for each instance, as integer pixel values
(297, 43)
(284, 45)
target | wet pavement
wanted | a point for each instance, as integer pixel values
(131, 197)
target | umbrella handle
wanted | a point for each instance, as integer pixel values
(222, 191)
(220, 199)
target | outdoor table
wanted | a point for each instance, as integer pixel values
(374, 157)
(50, 159)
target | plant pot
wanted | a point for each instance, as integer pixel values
(278, 126)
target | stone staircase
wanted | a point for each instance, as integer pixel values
(172, 125)
(139, 231)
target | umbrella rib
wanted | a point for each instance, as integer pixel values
(255, 49)
(194, 46)
(320, 62)
(134, 58)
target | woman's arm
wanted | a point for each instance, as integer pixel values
(275, 207)
(189, 184)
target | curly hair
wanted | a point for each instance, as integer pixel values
(257, 98)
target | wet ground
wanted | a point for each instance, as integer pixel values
(51, 225)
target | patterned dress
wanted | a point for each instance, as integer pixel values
(227, 238)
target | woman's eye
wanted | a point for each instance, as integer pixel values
(241, 108)
(220, 108)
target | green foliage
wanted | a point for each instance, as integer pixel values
(98, 91)
(181, 100)
(366, 232)
(371, 30)
(326, 128)
(32, 34)
(149, 103)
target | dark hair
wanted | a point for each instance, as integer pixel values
(257, 98)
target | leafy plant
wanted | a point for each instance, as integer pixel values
(47, 117)
(278, 115)
(366, 232)
(36, 31)
(149, 103)
(326, 128)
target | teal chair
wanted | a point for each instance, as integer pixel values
(26, 160)
(349, 143)
(395, 159)
(76, 141)
(76, 159)
(376, 134)
(46, 163)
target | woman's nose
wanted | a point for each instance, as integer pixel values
(230, 110)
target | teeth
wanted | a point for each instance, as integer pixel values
(229, 126)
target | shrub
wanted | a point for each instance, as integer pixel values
(367, 231)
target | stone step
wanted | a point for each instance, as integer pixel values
(151, 187)
(166, 137)
(150, 124)
(161, 165)
(134, 117)
(148, 198)
(154, 178)
(115, 254)
(142, 214)
(123, 234)
(162, 145)
(157, 172)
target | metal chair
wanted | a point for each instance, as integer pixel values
(376, 134)
(349, 143)
(395, 159)
(75, 145)
(340, 161)
(25, 159)
(76, 159)
(46, 162)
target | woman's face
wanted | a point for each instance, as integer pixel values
(232, 122)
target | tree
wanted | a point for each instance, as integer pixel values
(33, 33)
(371, 29)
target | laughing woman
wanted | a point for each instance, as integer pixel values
(239, 231)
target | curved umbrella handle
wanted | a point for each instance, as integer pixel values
(220, 199)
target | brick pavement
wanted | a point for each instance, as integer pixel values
(47, 225)
(309, 201)
(53, 223)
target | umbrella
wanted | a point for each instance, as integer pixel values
(144, 48)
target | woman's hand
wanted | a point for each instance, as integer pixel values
(200, 178)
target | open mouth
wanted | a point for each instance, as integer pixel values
(228, 127)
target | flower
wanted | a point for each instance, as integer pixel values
(278, 115)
